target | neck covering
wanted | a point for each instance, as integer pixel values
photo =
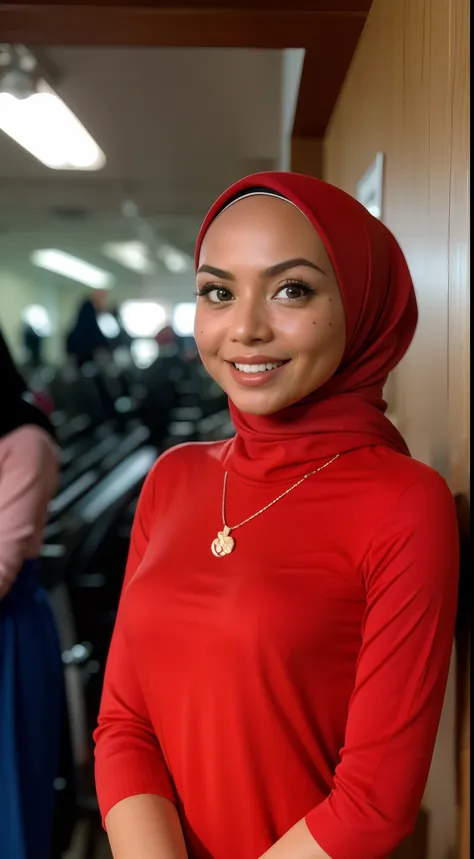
(348, 411)
(16, 409)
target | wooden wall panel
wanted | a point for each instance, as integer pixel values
(458, 263)
(463, 686)
(465, 773)
(407, 95)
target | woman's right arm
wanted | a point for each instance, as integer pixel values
(134, 789)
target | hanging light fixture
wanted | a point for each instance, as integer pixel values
(34, 116)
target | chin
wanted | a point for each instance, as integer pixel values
(259, 404)
(256, 410)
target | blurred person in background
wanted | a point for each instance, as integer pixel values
(167, 340)
(279, 660)
(85, 339)
(33, 345)
(159, 381)
(31, 678)
(90, 349)
(122, 338)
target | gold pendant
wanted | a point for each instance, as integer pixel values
(223, 544)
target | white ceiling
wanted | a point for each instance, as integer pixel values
(177, 126)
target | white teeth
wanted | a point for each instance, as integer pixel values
(257, 368)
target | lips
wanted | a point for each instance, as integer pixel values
(257, 368)
(258, 363)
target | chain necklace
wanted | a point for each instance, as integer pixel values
(224, 544)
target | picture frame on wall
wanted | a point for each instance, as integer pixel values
(369, 190)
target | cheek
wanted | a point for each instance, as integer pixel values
(310, 328)
(331, 323)
(205, 332)
(322, 337)
(199, 327)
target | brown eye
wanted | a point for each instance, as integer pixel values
(215, 294)
(294, 292)
(221, 295)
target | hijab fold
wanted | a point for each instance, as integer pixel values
(348, 411)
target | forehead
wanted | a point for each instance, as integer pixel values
(260, 221)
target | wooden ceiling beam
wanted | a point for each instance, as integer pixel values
(323, 74)
(145, 25)
(332, 6)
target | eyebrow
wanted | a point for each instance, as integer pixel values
(272, 271)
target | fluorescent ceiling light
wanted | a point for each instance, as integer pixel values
(70, 266)
(144, 352)
(142, 318)
(132, 255)
(38, 319)
(49, 131)
(174, 260)
(183, 318)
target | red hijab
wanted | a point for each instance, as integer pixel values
(348, 411)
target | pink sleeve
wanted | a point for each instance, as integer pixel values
(28, 475)
(411, 576)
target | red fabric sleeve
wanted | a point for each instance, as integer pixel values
(411, 579)
(128, 758)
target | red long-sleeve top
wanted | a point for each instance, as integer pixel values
(301, 676)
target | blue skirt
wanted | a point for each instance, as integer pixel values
(32, 704)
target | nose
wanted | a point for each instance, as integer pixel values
(250, 321)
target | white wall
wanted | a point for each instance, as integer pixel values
(16, 293)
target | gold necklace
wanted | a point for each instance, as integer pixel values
(224, 544)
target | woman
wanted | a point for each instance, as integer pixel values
(279, 660)
(31, 679)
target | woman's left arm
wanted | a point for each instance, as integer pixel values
(29, 472)
(411, 579)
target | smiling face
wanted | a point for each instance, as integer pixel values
(270, 323)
